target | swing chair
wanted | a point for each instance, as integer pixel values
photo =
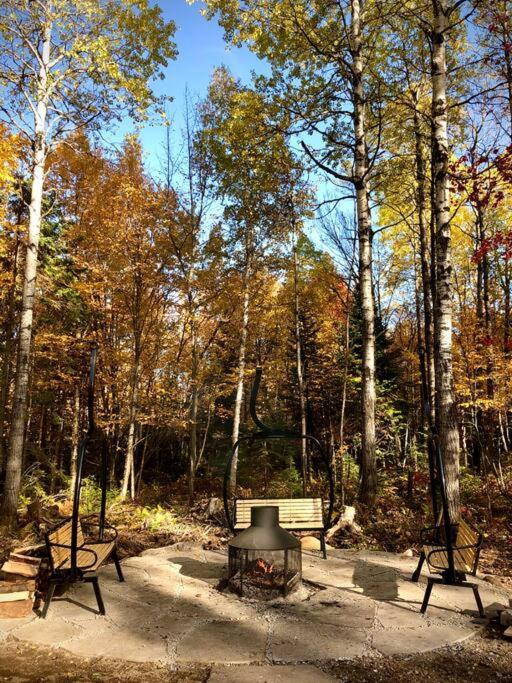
(450, 550)
(79, 546)
(295, 514)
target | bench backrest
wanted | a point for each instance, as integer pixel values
(468, 536)
(62, 534)
(292, 511)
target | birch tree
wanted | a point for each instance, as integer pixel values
(66, 65)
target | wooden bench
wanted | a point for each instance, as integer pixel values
(90, 556)
(466, 548)
(295, 514)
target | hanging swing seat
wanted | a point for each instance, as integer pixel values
(80, 545)
(90, 554)
(466, 550)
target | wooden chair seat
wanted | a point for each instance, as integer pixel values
(90, 556)
(466, 547)
(84, 557)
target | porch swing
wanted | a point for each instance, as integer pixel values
(295, 514)
(450, 550)
(79, 546)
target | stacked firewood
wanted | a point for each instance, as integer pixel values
(19, 578)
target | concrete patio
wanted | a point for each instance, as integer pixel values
(169, 609)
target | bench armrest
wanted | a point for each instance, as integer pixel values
(81, 549)
(455, 548)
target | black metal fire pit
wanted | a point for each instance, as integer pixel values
(264, 558)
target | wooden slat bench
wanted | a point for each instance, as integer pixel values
(295, 514)
(90, 556)
(466, 552)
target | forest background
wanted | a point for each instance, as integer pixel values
(342, 220)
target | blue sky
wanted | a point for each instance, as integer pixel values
(201, 48)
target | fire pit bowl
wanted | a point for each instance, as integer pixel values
(264, 558)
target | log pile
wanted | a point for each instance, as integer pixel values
(19, 578)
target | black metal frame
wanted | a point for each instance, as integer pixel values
(75, 573)
(450, 575)
(263, 433)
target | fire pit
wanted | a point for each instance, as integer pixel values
(264, 558)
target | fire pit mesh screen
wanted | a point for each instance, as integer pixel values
(264, 571)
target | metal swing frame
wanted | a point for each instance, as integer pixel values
(449, 575)
(76, 572)
(262, 433)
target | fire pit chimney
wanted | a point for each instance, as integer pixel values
(265, 556)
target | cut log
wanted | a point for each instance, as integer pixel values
(10, 584)
(17, 609)
(20, 569)
(14, 596)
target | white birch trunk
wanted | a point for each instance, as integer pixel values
(368, 488)
(240, 378)
(300, 375)
(19, 406)
(130, 447)
(445, 407)
(75, 437)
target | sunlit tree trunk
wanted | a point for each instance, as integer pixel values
(445, 406)
(368, 487)
(130, 447)
(242, 350)
(194, 405)
(424, 255)
(75, 438)
(19, 405)
(299, 360)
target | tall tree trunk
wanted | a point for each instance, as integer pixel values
(194, 405)
(300, 374)
(130, 446)
(19, 406)
(75, 439)
(242, 350)
(424, 256)
(368, 487)
(445, 406)
(9, 331)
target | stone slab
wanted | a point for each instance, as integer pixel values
(297, 641)
(416, 640)
(343, 613)
(130, 644)
(295, 673)
(399, 615)
(224, 641)
(48, 632)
